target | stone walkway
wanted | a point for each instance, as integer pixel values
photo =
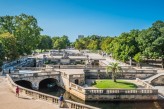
(8, 100)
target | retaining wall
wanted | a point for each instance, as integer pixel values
(49, 98)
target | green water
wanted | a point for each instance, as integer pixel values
(56, 91)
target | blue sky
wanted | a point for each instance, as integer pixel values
(87, 17)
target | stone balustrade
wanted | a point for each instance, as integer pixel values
(76, 67)
(121, 91)
(145, 84)
(113, 94)
(77, 88)
(143, 71)
(48, 98)
(24, 75)
(36, 68)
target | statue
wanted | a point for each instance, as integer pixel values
(65, 55)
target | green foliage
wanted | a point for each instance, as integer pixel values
(124, 46)
(138, 57)
(23, 35)
(111, 84)
(91, 42)
(151, 41)
(60, 42)
(80, 44)
(105, 44)
(115, 69)
(2, 53)
(93, 45)
(9, 44)
(45, 42)
(24, 28)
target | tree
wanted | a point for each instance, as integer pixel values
(7, 24)
(151, 41)
(2, 54)
(115, 69)
(9, 44)
(80, 44)
(45, 42)
(138, 58)
(27, 33)
(24, 28)
(124, 46)
(65, 41)
(105, 44)
(93, 45)
(60, 42)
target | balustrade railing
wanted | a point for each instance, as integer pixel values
(121, 91)
(24, 75)
(49, 98)
(145, 84)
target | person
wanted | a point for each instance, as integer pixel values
(9, 71)
(61, 99)
(17, 91)
(59, 66)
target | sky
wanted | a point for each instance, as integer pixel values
(87, 17)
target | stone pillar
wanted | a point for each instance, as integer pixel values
(130, 61)
(35, 85)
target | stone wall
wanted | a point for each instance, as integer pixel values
(131, 74)
(48, 98)
(113, 94)
(77, 91)
(145, 84)
(159, 81)
(120, 94)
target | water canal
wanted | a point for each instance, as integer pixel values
(56, 91)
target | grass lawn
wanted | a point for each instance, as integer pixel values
(111, 84)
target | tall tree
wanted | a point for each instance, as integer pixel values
(2, 54)
(105, 44)
(65, 41)
(124, 46)
(93, 45)
(9, 43)
(24, 28)
(138, 58)
(27, 33)
(60, 42)
(115, 69)
(45, 42)
(7, 24)
(151, 41)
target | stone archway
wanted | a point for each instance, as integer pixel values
(48, 83)
(24, 83)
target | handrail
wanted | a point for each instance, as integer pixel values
(146, 85)
(49, 98)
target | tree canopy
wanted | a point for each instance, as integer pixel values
(20, 34)
(25, 30)
(45, 42)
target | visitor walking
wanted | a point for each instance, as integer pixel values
(17, 91)
(9, 71)
(61, 99)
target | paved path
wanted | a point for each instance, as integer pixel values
(8, 100)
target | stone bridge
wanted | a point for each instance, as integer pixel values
(34, 79)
